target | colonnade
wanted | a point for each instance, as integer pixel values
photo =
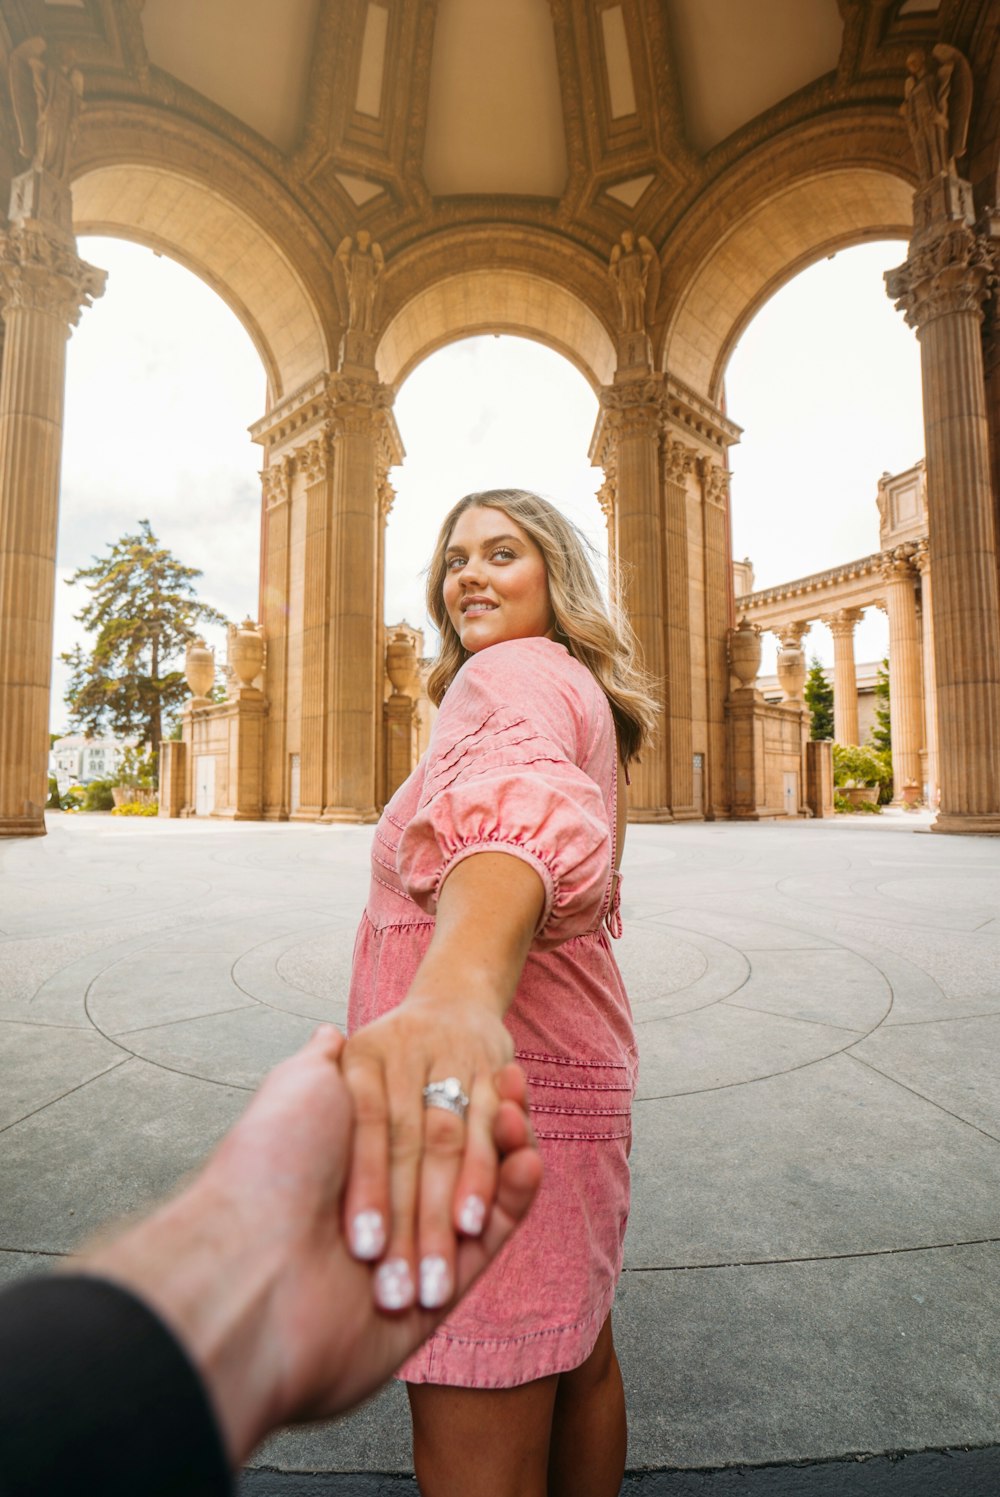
(897, 581)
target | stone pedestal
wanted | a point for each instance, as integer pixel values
(243, 718)
(819, 776)
(767, 756)
(173, 792)
(845, 681)
(43, 288)
(941, 289)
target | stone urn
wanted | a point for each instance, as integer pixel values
(199, 670)
(744, 652)
(246, 652)
(401, 664)
(792, 672)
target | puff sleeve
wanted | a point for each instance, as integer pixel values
(503, 774)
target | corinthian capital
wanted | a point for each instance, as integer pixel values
(953, 272)
(678, 459)
(842, 623)
(42, 274)
(715, 481)
(897, 565)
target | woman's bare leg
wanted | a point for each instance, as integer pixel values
(587, 1449)
(475, 1442)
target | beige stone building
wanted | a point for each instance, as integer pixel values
(896, 579)
(625, 180)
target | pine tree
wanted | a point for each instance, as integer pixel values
(143, 611)
(881, 733)
(818, 695)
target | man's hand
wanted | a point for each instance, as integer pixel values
(250, 1268)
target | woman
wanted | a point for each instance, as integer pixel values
(493, 879)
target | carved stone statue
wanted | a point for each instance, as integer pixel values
(364, 266)
(936, 109)
(630, 268)
(46, 104)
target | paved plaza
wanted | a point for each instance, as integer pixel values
(813, 1262)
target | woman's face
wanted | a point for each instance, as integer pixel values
(495, 585)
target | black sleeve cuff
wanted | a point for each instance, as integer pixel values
(97, 1395)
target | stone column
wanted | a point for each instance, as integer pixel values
(628, 436)
(941, 289)
(276, 482)
(678, 465)
(922, 561)
(718, 585)
(845, 681)
(314, 462)
(360, 422)
(905, 704)
(44, 286)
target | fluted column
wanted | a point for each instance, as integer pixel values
(628, 439)
(845, 681)
(314, 462)
(718, 586)
(905, 701)
(44, 286)
(922, 561)
(678, 465)
(941, 289)
(276, 481)
(360, 423)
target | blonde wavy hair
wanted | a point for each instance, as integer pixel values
(599, 636)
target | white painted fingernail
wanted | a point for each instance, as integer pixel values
(368, 1235)
(472, 1215)
(435, 1282)
(393, 1284)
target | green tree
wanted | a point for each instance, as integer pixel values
(881, 733)
(142, 611)
(819, 699)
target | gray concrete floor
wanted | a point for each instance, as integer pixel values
(813, 1262)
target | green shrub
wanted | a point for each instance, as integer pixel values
(137, 808)
(862, 765)
(54, 802)
(99, 797)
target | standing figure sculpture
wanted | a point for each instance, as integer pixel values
(364, 266)
(936, 109)
(46, 104)
(629, 267)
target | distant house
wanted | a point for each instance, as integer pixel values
(76, 760)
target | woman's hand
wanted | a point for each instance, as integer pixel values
(423, 1177)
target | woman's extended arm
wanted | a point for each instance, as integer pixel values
(421, 1177)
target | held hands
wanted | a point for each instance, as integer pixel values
(423, 1177)
(250, 1268)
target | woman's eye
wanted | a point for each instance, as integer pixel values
(504, 553)
(454, 562)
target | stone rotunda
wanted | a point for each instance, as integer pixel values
(626, 181)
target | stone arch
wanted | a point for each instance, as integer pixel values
(767, 246)
(505, 300)
(204, 230)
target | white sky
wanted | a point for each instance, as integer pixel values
(162, 383)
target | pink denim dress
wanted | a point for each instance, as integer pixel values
(522, 760)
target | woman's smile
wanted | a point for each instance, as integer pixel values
(496, 587)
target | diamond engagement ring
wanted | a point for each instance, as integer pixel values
(447, 1094)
